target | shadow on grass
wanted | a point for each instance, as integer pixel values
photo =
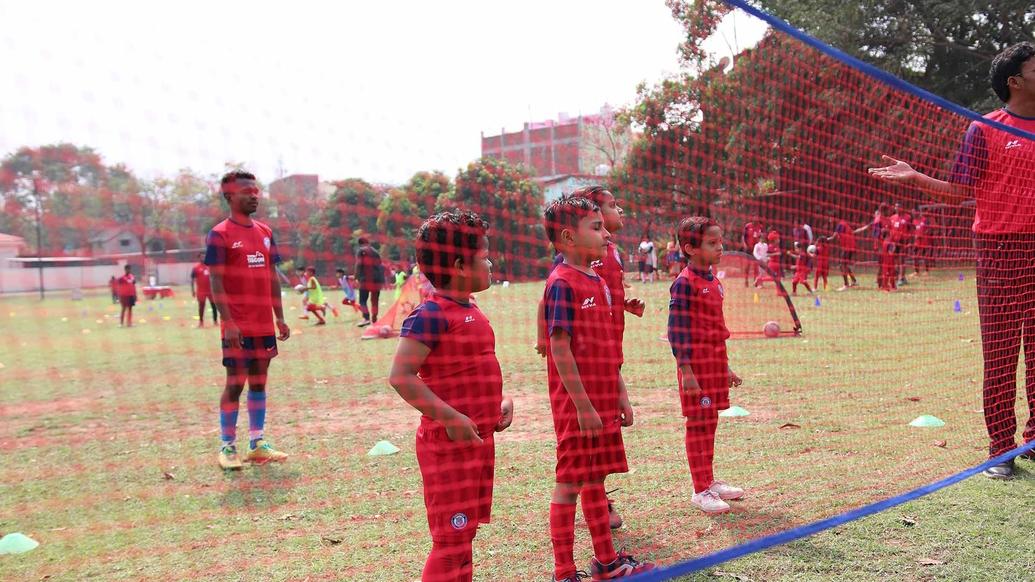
(259, 486)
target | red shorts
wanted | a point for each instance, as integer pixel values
(202, 298)
(458, 482)
(128, 300)
(713, 377)
(581, 459)
(314, 308)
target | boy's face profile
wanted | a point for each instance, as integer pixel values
(611, 212)
(476, 276)
(710, 251)
(589, 238)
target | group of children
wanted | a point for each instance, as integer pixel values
(446, 367)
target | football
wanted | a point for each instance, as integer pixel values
(811, 250)
(300, 288)
(771, 329)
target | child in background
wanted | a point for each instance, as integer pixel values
(801, 269)
(446, 367)
(697, 333)
(127, 285)
(887, 274)
(822, 262)
(316, 304)
(347, 288)
(303, 281)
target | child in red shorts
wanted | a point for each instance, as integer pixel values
(587, 398)
(697, 333)
(801, 269)
(446, 367)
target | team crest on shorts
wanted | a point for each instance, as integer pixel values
(458, 521)
(705, 403)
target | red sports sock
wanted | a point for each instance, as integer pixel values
(700, 449)
(594, 509)
(448, 563)
(562, 535)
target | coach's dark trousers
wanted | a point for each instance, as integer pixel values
(1006, 305)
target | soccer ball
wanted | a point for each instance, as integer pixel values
(300, 288)
(811, 250)
(385, 331)
(771, 329)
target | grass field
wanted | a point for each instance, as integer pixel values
(109, 441)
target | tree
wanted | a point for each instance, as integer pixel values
(512, 203)
(330, 235)
(403, 209)
(944, 47)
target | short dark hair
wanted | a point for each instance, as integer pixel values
(690, 231)
(446, 237)
(594, 193)
(340, 270)
(363, 240)
(566, 212)
(1007, 64)
(234, 175)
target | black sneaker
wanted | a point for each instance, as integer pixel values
(624, 565)
(1000, 471)
(1028, 456)
(578, 576)
(363, 323)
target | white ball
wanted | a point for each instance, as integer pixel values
(300, 288)
(811, 250)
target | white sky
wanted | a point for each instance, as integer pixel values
(377, 90)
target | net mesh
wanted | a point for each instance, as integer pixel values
(865, 340)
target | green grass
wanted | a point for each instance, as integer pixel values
(90, 422)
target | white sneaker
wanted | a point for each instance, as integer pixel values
(725, 491)
(708, 501)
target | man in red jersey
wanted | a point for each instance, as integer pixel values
(241, 255)
(994, 167)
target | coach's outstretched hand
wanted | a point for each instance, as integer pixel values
(283, 330)
(506, 414)
(895, 171)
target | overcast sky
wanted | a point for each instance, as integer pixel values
(377, 90)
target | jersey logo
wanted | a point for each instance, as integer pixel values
(266, 241)
(596, 264)
(589, 302)
(256, 259)
(458, 521)
(704, 291)
(722, 292)
(607, 294)
(237, 244)
(1013, 143)
(706, 402)
(469, 319)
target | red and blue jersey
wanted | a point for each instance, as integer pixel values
(846, 235)
(901, 225)
(697, 334)
(580, 304)
(202, 285)
(612, 271)
(244, 257)
(752, 234)
(461, 367)
(822, 254)
(998, 165)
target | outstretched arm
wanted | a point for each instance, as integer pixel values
(899, 172)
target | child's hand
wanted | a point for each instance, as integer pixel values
(626, 411)
(692, 388)
(463, 430)
(506, 414)
(635, 306)
(735, 380)
(540, 346)
(589, 422)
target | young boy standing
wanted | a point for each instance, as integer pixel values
(127, 285)
(587, 398)
(697, 333)
(446, 367)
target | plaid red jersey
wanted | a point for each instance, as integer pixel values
(461, 367)
(202, 285)
(611, 270)
(580, 304)
(244, 256)
(999, 167)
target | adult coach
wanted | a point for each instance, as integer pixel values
(998, 170)
(370, 276)
(241, 256)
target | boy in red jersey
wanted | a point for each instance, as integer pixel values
(822, 262)
(697, 333)
(801, 269)
(241, 256)
(922, 252)
(201, 289)
(127, 285)
(588, 401)
(611, 270)
(886, 265)
(445, 366)
(752, 235)
(845, 235)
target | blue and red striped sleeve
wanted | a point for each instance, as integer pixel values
(679, 320)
